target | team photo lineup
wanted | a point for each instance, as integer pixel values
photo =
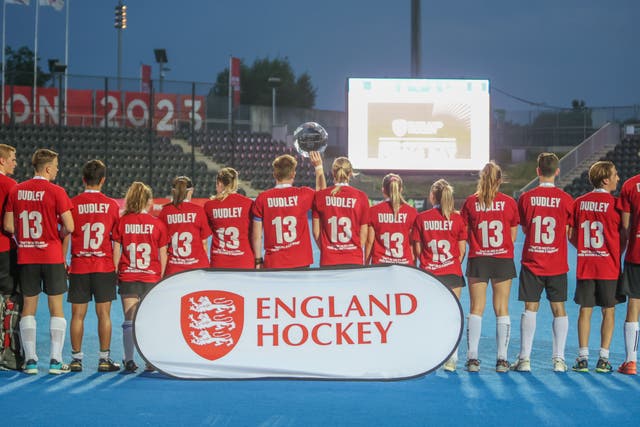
(127, 250)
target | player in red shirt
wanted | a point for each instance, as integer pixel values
(140, 252)
(545, 213)
(629, 205)
(187, 227)
(33, 210)
(390, 222)
(340, 217)
(492, 220)
(229, 216)
(595, 232)
(8, 261)
(282, 213)
(92, 272)
(440, 236)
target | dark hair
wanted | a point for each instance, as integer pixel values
(180, 188)
(548, 164)
(93, 171)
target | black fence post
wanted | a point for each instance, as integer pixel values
(150, 131)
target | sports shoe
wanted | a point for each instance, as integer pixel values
(108, 365)
(130, 366)
(57, 368)
(559, 365)
(503, 366)
(581, 365)
(603, 366)
(31, 367)
(472, 365)
(450, 365)
(628, 368)
(521, 365)
(75, 365)
(149, 368)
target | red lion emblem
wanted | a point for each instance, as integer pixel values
(211, 322)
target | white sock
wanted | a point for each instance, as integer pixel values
(77, 355)
(104, 354)
(631, 340)
(127, 339)
(527, 331)
(28, 337)
(503, 334)
(560, 331)
(474, 329)
(454, 356)
(57, 329)
(604, 353)
(583, 353)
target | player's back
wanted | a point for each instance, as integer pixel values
(439, 237)
(392, 242)
(230, 222)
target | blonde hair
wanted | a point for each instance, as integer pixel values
(6, 151)
(137, 198)
(392, 188)
(489, 183)
(599, 171)
(284, 167)
(443, 195)
(342, 170)
(180, 189)
(228, 177)
(42, 157)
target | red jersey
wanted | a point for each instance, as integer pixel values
(545, 213)
(36, 205)
(187, 228)
(283, 211)
(230, 221)
(596, 223)
(392, 243)
(141, 236)
(341, 216)
(439, 237)
(6, 184)
(95, 217)
(490, 226)
(629, 201)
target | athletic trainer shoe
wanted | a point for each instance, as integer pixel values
(559, 365)
(603, 366)
(450, 365)
(76, 365)
(31, 367)
(108, 365)
(521, 365)
(581, 365)
(503, 366)
(628, 368)
(472, 365)
(149, 368)
(57, 367)
(130, 366)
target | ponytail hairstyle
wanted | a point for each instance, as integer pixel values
(392, 188)
(488, 184)
(442, 193)
(180, 189)
(342, 171)
(137, 198)
(228, 178)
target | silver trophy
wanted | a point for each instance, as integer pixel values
(310, 136)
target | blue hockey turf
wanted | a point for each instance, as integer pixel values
(541, 397)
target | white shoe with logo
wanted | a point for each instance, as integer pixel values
(450, 365)
(559, 365)
(521, 365)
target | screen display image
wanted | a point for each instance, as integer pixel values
(418, 124)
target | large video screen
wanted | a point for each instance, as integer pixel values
(418, 124)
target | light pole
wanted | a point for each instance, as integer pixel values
(161, 59)
(120, 24)
(274, 83)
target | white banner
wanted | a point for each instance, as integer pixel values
(382, 322)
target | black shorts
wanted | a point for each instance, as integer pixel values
(451, 281)
(630, 280)
(9, 272)
(102, 286)
(135, 288)
(594, 292)
(48, 278)
(532, 285)
(489, 268)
